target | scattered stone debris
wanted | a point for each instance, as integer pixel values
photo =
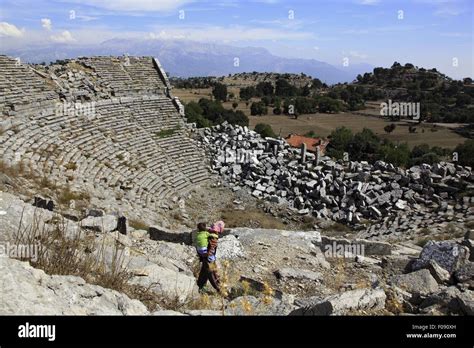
(395, 200)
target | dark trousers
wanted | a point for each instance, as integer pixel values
(208, 272)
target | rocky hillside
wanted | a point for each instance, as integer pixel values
(380, 201)
(442, 99)
(241, 80)
(315, 275)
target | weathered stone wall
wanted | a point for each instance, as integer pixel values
(104, 124)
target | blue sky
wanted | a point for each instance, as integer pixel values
(428, 33)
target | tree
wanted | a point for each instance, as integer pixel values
(285, 89)
(277, 111)
(304, 105)
(266, 100)
(210, 112)
(264, 89)
(194, 114)
(247, 92)
(339, 141)
(463, 100)
(265, 130)
(466, 153)
(236, 117)
(316, 83)
(220, 92)
(345, 95)
(356, 102)
(420, 150)
(428, 156)
(364, 145)
(276, 101)
(328, 105)
(398, 155)
(305, 91)
(258, 108)
(390, 128)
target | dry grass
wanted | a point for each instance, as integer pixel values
(392, 303)
(74, 254)
(44, 183)
(80, 255)
(232, 287)
(422, 241)
(336, 229)
(137, 224)
(16, 170)
(70, 166)
(339, 267)
(251, 218)
(66, 195)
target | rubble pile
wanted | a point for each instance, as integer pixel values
(73, 82)
(346, 192)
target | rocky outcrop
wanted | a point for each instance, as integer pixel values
(419, 283)
(465, 274)
(449, 300)
(30, 291)
(165, 282)
(448, 255)
(229, 248)
(345, 303)
(251, 305)
(107, 223)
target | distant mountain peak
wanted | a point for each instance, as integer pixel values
(185, 58)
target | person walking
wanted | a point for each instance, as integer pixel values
(206, 247)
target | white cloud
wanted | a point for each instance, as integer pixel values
(46, 23)
(64, 37)
(10, 30)
(136, 5)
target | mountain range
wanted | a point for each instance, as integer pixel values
(184, 58)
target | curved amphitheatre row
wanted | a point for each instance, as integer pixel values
(107, 125)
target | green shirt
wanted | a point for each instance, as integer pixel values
(202, 238)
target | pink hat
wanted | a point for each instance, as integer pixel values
(217, 227)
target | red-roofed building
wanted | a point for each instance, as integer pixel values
(312, 144)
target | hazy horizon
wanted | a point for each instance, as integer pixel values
(430, 34)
